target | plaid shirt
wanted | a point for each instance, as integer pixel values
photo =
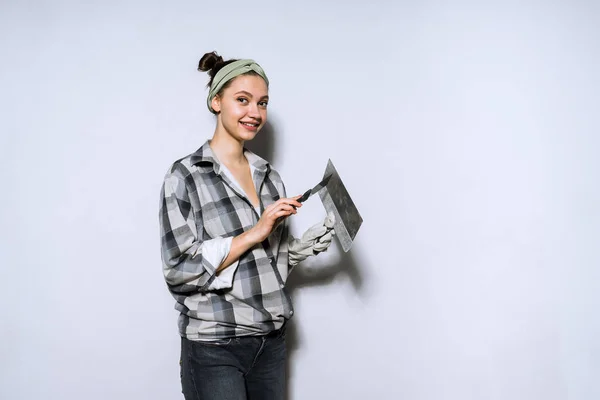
(200, 203)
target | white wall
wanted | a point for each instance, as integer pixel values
(467, 134)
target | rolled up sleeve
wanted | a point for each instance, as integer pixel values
(215, 251)
(185, 267)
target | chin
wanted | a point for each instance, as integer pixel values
(248, 135)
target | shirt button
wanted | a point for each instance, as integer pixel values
(281, 286)
(291, 313)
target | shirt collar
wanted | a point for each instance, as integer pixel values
(205, 155)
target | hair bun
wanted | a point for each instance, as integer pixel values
(209, 61)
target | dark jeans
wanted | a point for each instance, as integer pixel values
(246, 368)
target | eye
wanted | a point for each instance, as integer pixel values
(263, 104)
(242, 100)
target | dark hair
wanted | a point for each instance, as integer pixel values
(212, 63)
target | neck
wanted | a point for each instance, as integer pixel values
(228, 150)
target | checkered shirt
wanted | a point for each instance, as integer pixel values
(200, 203)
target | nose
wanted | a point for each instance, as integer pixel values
(253, 111)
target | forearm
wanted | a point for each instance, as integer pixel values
(273, 215)
(239, 245)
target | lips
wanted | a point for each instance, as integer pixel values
(249, 125)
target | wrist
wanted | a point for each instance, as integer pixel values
(252, 236)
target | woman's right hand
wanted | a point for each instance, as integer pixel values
(273, 215)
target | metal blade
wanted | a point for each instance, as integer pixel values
(336, 199)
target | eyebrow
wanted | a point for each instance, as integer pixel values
(250, 94)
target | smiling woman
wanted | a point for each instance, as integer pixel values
(244, 102)
(226, 249)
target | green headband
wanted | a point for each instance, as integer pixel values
(229, 72)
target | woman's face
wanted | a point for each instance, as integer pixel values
(242, 107)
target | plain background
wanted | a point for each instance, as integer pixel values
(466, 132)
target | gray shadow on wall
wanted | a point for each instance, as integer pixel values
(310, 277)
(264, 145)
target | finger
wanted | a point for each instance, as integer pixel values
(321, 247)
(280, 216)
(285, 212)
(326, 237)
(329, 220)
(292, 201)
(279, 213)
(270, 207)
(282, 206)
(269, 210)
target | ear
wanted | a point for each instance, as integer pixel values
(216, 103)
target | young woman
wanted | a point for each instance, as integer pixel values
(226, 249)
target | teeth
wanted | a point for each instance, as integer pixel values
(252, 125)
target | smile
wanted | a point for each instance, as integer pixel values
(249, 125)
